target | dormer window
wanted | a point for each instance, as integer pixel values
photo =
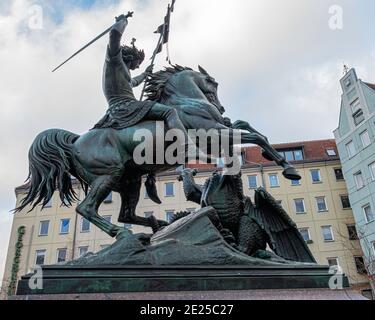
(292, 154)
(355, 106)
(331, 152)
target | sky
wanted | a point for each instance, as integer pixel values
(278, 64)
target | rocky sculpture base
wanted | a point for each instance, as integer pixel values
(190, 254)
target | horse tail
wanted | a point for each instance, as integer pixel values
(50, 169)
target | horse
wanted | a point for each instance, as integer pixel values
(102, 159)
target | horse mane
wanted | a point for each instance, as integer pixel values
(156, 86)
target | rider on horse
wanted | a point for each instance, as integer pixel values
(124, 110)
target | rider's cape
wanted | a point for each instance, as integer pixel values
(124, 114)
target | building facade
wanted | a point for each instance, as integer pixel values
(355, 139)
(318, 204)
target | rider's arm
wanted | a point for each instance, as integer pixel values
(115, 37)
(116, 76)
(136, 81)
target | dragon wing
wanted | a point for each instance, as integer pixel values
(284, 238)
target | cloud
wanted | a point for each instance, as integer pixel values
(277, 62)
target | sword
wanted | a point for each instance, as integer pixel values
(122, 17)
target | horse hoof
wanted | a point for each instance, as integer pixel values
(291, 174)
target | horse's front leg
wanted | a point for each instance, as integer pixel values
(289, 171)
(244, 125)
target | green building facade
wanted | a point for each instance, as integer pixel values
(355, 138)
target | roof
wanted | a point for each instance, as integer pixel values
(371, 85)
(312, 151)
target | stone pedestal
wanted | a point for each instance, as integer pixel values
(120, 279)
(292, 294)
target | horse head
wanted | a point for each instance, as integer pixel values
(183, 82)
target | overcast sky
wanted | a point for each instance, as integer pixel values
(278, 64)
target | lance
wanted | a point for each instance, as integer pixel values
(122, 17)
(164, 35)
(152, 62)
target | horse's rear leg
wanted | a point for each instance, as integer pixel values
(100, 189)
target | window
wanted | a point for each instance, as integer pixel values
(296, 182)
(61, 255)
(108, 199)
(358, 117)
(292, 155)
(289, 155)
(85, 225)
(83, 250)
(169, 215)
(169, 189)
(360, 265)
(315, 176)
(321, 204)
(350, 148)
(352, 231)
(40, 256)
(372, 170)
(305, 234)
(331, 152)
(368, 213)
(355, 106)
(345, 202)
(298, 155)
(149, 214)
(253, 182)
(64, 226)
(333, 262)
(359, 180)
(108, 218)
(43, 228)
(338, 174)
(300, 206)
(348, 82)
(222, 163)
(327, 234)
(365, 138)
(274, 180)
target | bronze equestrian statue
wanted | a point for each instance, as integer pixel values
(102, 159)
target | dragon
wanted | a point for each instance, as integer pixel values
(249, 227)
